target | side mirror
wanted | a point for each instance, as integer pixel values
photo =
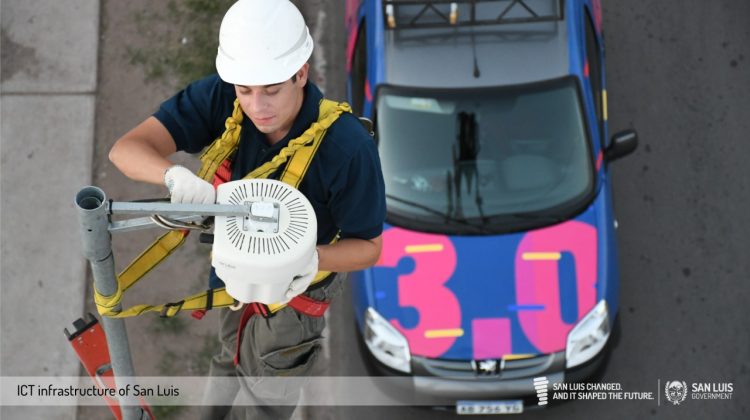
(368, 124)
(623, 144)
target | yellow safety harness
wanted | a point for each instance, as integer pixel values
(299, 152)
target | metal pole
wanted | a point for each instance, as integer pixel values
(169, 209)
(97, 248)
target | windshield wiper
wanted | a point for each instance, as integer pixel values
(445, 216)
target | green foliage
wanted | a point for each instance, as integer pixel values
(183, 40)
(168, 364)
(167, 411)
(202, 358)
(172, 325)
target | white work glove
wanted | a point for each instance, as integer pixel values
(303, 280)
(185, 187)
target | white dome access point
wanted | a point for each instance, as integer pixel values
(257, 256)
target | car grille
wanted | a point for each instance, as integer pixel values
(508, 369)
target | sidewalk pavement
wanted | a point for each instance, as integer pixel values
(47, 96)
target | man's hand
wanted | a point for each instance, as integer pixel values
(303, 280)
(187, 188)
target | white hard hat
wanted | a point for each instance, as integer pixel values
(262, 42)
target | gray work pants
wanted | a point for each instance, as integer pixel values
(286, 344)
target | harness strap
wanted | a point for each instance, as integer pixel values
(214, 298)
(199, 313)
(141, 265)
(224, 146)
(300, 303)
(223, 174)
(299, 152)
(312, 137)
(309, 306)
(250, 310)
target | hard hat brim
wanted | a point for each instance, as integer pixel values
(262, 72)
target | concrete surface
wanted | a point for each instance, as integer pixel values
(49, 46)
(49, 61)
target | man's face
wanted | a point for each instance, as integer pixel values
(273, 108)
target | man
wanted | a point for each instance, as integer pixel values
(264, 46)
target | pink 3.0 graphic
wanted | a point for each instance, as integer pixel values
(537, 280)
(491, 338)
(424, 288)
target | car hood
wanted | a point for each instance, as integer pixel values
(488, 297)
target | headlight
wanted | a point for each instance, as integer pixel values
(589, 336)
(386, 343)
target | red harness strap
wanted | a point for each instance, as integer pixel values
(300, 303)
(308, 306)
(250, 310)
(223, 174)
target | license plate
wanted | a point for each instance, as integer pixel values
(489, 407)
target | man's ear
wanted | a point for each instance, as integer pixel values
(302, 74)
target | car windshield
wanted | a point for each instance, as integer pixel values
(489, 160)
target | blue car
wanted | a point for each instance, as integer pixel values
(499, 262)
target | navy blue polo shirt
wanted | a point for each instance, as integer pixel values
(344, 182)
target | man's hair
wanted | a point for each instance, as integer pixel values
(294, 78)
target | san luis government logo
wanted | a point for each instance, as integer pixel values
(675, 391)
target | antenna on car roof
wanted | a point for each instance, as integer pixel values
(473, 17)
(477, 73)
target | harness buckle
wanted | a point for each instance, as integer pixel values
(166, 307)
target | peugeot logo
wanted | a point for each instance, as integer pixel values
(486, 367)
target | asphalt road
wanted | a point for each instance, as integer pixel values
(678, 71)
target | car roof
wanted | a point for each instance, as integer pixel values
(506, 54)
